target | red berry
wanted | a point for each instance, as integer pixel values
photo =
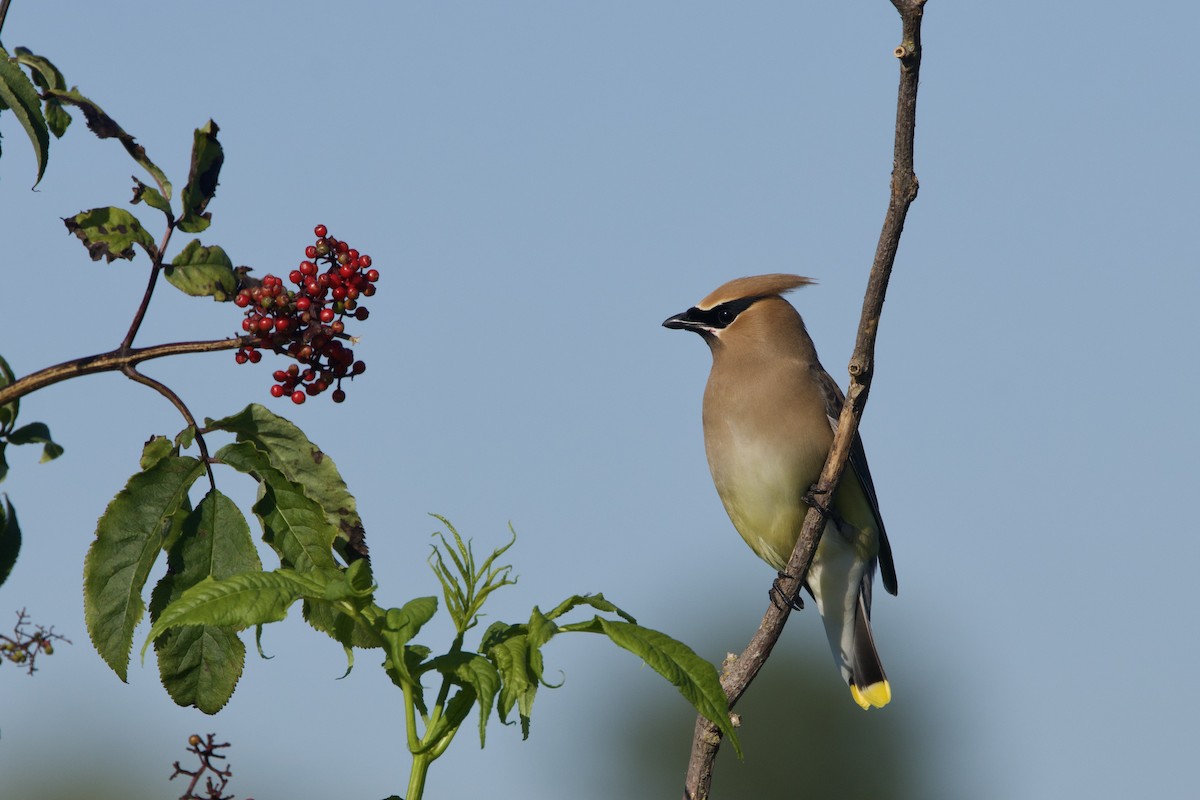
(310, 251)
(282, 324)
(254, 356)
(298, 397)
(277, 390)
(372, 275)
(308, 268)
(303, 303)
(296, 276)
(364, 261)
(338, 396)
(312, 390)
(327, 315)
(320, 231)
(341, 247)
(359, 368)
(240, 357)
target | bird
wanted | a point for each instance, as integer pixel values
(769, 415)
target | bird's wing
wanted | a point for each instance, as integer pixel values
(834, 399)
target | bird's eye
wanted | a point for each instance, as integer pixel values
(725, 316)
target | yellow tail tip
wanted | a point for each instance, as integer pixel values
(877, 694)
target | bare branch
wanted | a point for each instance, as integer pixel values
(112, 361)
(738, 674)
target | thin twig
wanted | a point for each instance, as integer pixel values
(155, 268)
(737, 675)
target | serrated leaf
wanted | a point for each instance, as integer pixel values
(37, 433)
(237, 602)
(110, 233)
(510, 653)
(201, 665)
(291, 452)
(202, 271)
(10, 540)
(696, 679)
(207, 158)
(475, 671)
(152, 197)
(18, 93)
(293, 524)
(47, 76)
(128, 539)
(299, 531)
(105, 127)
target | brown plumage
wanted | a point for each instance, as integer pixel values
(769, 414)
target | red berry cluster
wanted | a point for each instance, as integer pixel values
(309, 322)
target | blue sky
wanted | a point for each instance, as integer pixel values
(540, 186)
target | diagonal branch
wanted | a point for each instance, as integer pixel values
(738, 674)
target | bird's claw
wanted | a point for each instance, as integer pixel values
(779, 599)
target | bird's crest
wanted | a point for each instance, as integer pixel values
(753, 286)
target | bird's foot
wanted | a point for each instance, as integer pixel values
(780, 599)
(811, 498)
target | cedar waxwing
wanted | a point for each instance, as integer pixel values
(770, 410)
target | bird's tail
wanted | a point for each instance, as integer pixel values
(868, 684)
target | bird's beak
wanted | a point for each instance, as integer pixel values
(683, 322)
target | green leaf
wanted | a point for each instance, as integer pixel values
(105, 127)
(110, 232)
(207, 158)
(200, 665)
(396, 627)
(290, 452)
(154, 450)
(301, 533)
(202, 271)
(293, 524)
(596, 601)
(151, 197)
(696, 679)
(10, 539)
(37, 433)
(18, 93)
(129, 536)
(237, 602)
(47, 76)
(8, 411)
(476, 672)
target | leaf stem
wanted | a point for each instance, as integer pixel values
(131, 372)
